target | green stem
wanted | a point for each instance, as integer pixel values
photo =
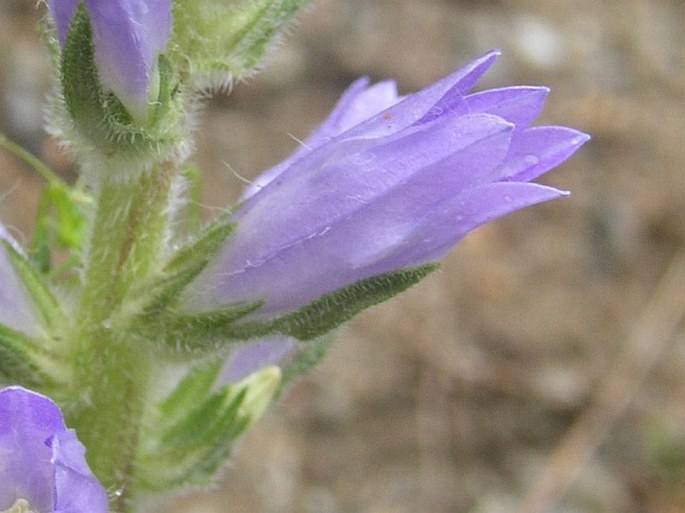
(114, 370)
(32, 161)
(128, 238)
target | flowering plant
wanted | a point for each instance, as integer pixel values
(164, 343)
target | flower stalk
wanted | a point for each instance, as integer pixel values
(129, 234)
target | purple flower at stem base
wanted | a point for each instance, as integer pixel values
(386, 183)
(42, 463)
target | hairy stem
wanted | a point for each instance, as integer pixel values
(115, 371)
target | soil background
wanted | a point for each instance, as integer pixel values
(543, 368)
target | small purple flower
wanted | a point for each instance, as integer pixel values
(17, 310)
(128, 36)
(386, 183)
(41, 461)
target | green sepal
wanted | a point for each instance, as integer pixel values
(101, 119)
(206, 331)
(80, 84)
(196, 255)
(17, 362)
(310, 354)
(40, 293)
(193, 389)
(194, 430)
(154, 299)
(219, 41)
(60, 219)
(194, 333)
(209, 331)
(30, 362)
(330, 311)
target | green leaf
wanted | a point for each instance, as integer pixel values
(192, 389)
(71, 221)
(202, 424)
(182, 449)
(194, 431)
(153, 299)
(196, 255)
(40, 293)
(40, 251)
(30, 362)
(60, 212)
(221, 40)
(61, 218)
(16, 362)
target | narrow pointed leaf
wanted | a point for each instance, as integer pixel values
(34, 282)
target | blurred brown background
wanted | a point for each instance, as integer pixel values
(550, 341)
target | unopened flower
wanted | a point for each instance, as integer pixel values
(128, 36)
(17, 310)
(386, 183)
(42, 464)
(257, 355)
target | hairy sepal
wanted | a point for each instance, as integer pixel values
(157, 298)
(219, 41)
(35, 361)
(19, 360)
(211, 331)
(61, 222)
(47, 305)
(154, 303)
(194, 430)
(310, 353)
(330, 311)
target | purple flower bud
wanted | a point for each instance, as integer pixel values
(385, 183)
(128, 36)
(17, 310)
(41, 461)
(256, 355)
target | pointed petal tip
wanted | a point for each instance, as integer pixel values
(581, 138)
(574, 138)
(487, 59)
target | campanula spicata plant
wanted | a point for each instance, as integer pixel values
(163, 339)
